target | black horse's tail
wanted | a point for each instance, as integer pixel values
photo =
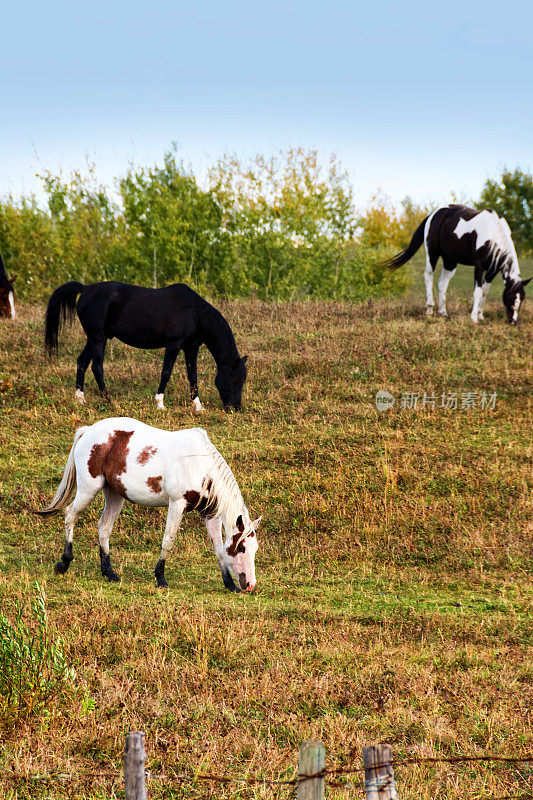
(416, 241)
(60, 308)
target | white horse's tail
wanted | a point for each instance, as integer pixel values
(68, 484)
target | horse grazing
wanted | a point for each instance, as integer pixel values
(174, 317)
(180, 469)
(462, 235)
(7, 302)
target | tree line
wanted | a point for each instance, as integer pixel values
(281, 228)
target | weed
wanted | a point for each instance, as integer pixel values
(33, 666)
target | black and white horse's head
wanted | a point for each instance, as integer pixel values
(7, 303)
(513, 297)
(230, 382)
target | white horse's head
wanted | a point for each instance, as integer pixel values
(240, 548)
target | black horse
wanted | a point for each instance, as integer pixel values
(462, 235)
(174, 317)
(7, 304)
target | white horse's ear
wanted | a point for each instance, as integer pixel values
(255, 524)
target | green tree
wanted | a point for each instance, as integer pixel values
(172, 226)
(279, 227)
(511, 195)
(85, 226)
(382, 226)
(289, 224)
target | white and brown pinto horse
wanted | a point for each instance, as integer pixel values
(462, 235)
(7, 301)
(129, 460)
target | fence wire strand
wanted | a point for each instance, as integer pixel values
(255, 780)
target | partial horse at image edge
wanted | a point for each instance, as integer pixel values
(462, 235)
(174, 317)
(7, 297)
(129, 460)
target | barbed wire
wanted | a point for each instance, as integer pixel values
(255, 780)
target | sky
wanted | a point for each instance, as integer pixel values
(419, 99)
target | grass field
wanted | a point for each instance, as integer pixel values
(394, 571)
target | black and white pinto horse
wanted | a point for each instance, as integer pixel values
(462, 235)
(174, 317)
(7, 301)
(129, 460)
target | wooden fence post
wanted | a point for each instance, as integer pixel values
(379, 774)
(134, 760)
(311, 762)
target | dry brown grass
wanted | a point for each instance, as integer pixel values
(394, 569)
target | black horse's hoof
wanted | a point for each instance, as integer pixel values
(161, 583)
(60, 568)
(112, 577)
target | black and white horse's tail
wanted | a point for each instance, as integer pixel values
(60, 308)
(68, 485)
(416, 241)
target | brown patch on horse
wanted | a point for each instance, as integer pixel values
(205, 505)
(192, 498)
(154, 484)
(236, 540)
(146, 454)
(109, 459)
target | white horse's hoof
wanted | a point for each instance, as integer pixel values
(429, 311)
(474, 319)
(159, 402)
(444, 314)
(79, 396)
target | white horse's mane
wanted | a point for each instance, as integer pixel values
(502, 248)
(221, 491)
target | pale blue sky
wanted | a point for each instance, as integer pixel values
(415, 98)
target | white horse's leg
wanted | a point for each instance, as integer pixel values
(112, 508)
(428, 278)
(214, 529)
(484, 292)
(175, 513)
(82, 499)
(478, 294)
(444, 280)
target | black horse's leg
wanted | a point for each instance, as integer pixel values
(171, 353)
(98, 351)
(84, 359)
(191, 361)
